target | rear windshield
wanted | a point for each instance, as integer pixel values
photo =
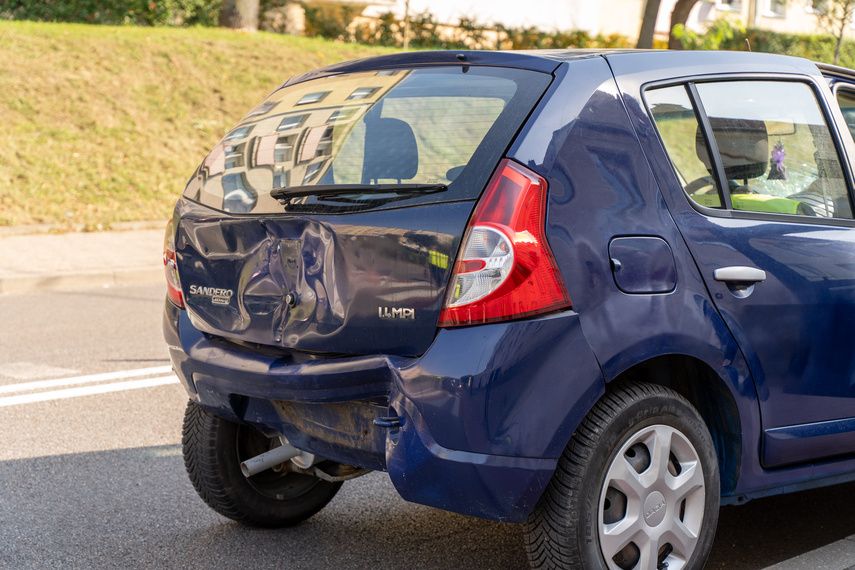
(445, 126)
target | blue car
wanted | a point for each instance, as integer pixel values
(597, 293)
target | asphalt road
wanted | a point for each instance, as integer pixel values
(97, 480)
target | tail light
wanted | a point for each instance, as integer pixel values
(505, 269)
(173, 284)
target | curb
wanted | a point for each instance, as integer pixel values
(6, 231)
(81, 280)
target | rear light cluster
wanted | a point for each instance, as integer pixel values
(505, 269)
(173, 284)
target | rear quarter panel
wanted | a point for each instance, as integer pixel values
(601, 187)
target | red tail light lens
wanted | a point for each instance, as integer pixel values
(505, 269)
(173, 284)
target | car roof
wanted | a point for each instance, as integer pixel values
(548, 60)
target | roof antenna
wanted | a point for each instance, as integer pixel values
(748, 44)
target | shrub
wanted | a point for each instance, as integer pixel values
(330, 19)
(726, 34)
(115, 12)
(718, 33)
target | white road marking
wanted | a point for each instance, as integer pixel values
(89, 379)
(87, 390)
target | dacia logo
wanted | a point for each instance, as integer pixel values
(218, 296)
(654, 510)
(396, 313)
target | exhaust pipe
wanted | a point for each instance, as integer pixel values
(269, 459)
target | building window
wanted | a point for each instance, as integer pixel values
(313, 98)
(312, 171)
(282, 179)
(363, 93)
(284, 149)
(342, 115)
(262, 109)
(815, 6)
(292, 122)
(776, 9)
(237, 134)
(317, 142)
(234, 155)
(729, 5)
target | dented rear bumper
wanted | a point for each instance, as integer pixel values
(475, 431)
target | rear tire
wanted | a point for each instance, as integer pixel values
(636, 487)
(213, 451)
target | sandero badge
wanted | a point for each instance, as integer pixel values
(217, 296)
(544, 288)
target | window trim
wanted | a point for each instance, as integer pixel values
(814, 84)
(721, 6)
(769, 12)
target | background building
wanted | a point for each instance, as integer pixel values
(609, 16)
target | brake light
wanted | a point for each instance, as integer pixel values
(173, 284)
(505, 269)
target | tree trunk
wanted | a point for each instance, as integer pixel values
(679, 15)
(240, 15)
(648, 24)
(845, 19)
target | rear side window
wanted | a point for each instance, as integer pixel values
(437, 126)
(758, 146)
(846, 101)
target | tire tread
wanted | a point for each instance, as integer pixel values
(552, 529)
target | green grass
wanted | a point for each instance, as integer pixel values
(105, 124)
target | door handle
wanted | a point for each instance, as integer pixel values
(739, 274)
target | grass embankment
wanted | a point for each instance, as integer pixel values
(106, 124)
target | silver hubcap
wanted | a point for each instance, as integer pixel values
(652, 502)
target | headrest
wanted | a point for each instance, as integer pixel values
(391, 151)
(742, 144)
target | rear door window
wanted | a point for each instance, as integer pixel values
(756, 146)
(846, 101)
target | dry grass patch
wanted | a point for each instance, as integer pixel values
(105, 124)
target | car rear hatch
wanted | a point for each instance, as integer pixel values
(329, 219)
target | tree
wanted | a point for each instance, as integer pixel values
(648, 24)
(240, 15)
(835, 16)
(680, 15)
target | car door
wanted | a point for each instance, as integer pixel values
(767, 215)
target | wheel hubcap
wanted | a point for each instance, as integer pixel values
(652, 502)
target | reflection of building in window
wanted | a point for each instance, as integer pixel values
(238, 197)
(312, 98)
(343, 115)
(215, 163)
(237, 134)
(282, 179)
(317, 142)
(312, 171)
(262, 109)
(279, 144)
(285, 149)
(292, 122)
(363, 93)
(234, 155)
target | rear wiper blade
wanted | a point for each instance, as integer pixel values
(342, 189)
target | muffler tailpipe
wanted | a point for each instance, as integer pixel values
(269, 459)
